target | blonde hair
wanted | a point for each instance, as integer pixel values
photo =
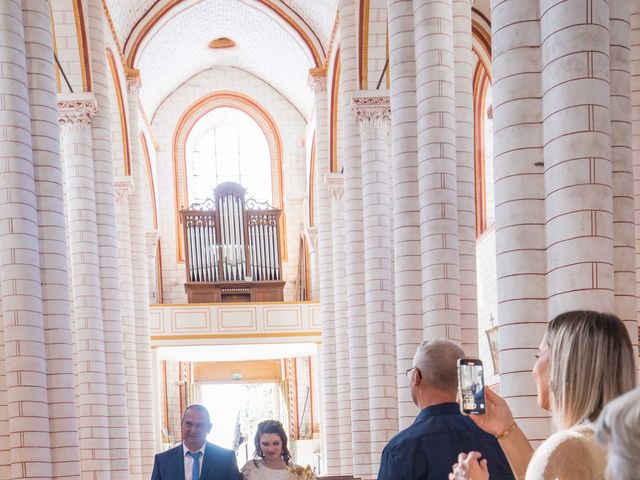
(618, 429)
(592, 363)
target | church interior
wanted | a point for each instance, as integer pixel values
(266, 206)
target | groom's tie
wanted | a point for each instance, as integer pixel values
(195, 470)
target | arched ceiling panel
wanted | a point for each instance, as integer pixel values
(319, 15)
(177, 48)
(316, 15)
(126, 13)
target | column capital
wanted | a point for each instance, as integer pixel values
(372, 108)
(335, 184)
(151, 238)
(123, 187)
(134, 81)
(76, 108)
(318, 79)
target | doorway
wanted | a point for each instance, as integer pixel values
(236, 409)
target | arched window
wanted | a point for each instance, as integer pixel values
(221, 137)
(487, 120)
(483, 147)
(226, 145)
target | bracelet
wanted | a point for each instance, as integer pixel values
(507, 431)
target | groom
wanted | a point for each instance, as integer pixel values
(195, 458)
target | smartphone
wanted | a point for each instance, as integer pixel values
(471, 386)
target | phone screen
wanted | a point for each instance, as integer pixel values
(471, 385)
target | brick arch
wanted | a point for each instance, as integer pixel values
(185, 124)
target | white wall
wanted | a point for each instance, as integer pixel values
(487, 298)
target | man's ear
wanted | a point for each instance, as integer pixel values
(418, 376)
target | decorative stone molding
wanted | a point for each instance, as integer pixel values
(76, 108)
(123, 187)
(372, 109)
(318, 79)
(335, 185)
(134, 81)
(152, 240)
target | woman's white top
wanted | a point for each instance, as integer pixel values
(257, 470)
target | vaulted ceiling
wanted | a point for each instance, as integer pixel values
(277, 41)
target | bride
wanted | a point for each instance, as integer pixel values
(273, 460)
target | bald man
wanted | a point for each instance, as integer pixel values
(428, 448)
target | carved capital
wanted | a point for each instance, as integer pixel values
(372, 109)
(335, 185)
(76, 108)
(123, 187)
(318, 79)
(152, 240)
(134, 81)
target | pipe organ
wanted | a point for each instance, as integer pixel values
(232, 249)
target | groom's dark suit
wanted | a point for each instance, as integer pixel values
(217, 464)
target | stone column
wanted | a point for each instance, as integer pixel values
(105, 208)
(331, 438)
(437, 168)
(635, 129)
(151, 238)
(577, 156)
(24, 407)
(138, 222)
(465, 173)
(364, 465)
(45, 131)
(520, 220)
(373, 114)
(408, 273)
(335, 186)
(76, 112)
(123, 187)
(622, 163)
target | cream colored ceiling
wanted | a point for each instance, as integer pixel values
(320, 15)
(175, 44)
(126, 13)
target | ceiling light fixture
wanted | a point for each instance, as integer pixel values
(222, 42)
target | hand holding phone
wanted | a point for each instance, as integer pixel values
(471, 386)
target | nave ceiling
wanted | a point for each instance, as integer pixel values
(277, 41)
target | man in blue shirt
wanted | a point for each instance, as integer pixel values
(428, 448)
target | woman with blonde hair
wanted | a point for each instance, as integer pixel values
(585, 361)
(618, 430)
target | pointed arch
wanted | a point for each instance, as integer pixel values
(124, 129)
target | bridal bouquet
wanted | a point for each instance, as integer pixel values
(299, 473)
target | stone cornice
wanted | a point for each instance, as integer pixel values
(372, 108)
(76, 108)
(335, 185)
(318, 79)
(134, 81)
